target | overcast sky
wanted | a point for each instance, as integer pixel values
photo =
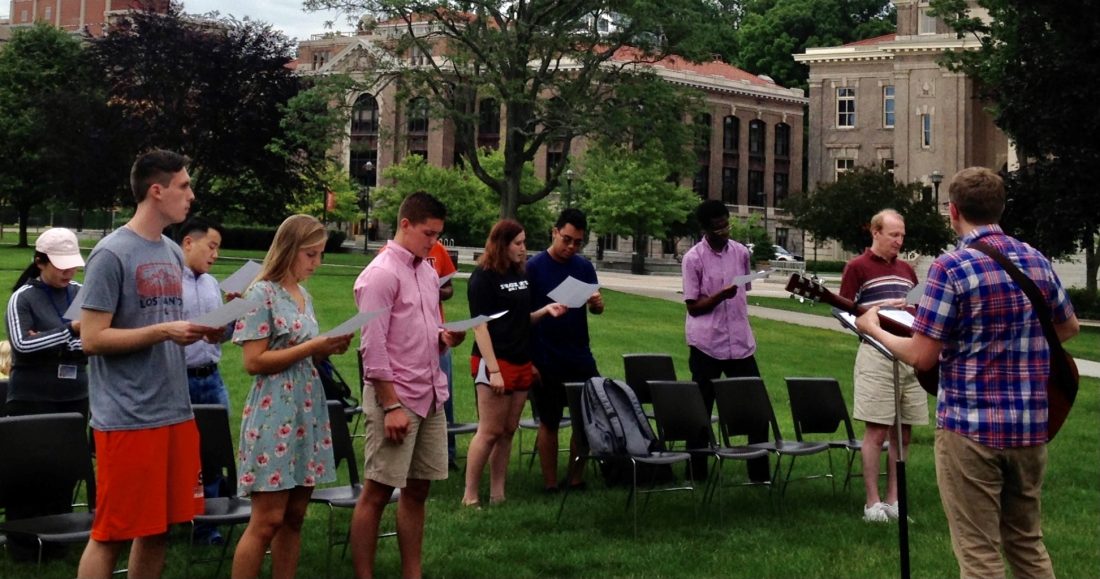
(286, 15)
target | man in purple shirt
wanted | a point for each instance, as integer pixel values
(719, 338)
(405, 388)
(991, 411)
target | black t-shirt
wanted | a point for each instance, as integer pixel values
(490, 292)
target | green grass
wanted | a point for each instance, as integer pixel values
(817, 533)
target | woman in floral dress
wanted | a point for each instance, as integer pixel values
(285, 444)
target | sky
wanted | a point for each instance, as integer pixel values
(285, 15)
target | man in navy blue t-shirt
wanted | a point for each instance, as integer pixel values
(560, 345)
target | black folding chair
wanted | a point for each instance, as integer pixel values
(818, 407)
(641, 368)
(42, 457)
(533, 424)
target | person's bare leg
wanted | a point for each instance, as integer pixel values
(268, 510)
(99, 559)
(147, 556)
(286, 545)
(502, 450)
(492, 414)
(892, 468)
(873, 437)
(410, 526)
(548, 455)
(364, 526)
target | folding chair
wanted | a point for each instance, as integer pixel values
(744, 409)
(533, 424)
(342, 496)
(219, 459)
(46, 452)
(682, 418)
(818, 407)
(641, 368)
(573, 392)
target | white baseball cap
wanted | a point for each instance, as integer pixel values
(59, 244)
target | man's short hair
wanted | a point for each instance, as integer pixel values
(710, 210)
(879, 219)
(572, 216)
(156, 166)
(979, 195)
(420, 207)
(197, 227)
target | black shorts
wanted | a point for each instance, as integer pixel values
(548, 398)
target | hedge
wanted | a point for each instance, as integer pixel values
(259, 238)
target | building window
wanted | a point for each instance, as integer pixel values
(782, 140)
(926, 131)
(701, 182)
(729, 185)
(364, 140)
(23, 17)
(845, 107)
(756, 189)
(843, 166)
(888, 165)
(488, 124)
(320, 58)
(888, 106)
(756, 138)
(48, 13)
(555, 156)
(926, 23)
(782, 236)
(731, 133)
(364, 116)
(780, 190)
(417, 127)
(702, 134)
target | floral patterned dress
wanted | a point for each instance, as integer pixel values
(286, 438)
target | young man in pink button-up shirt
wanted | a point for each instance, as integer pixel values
(404, 392)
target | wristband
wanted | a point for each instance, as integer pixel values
(494, 371)
(391, 408)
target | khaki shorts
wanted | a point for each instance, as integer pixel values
(421, 455)
(874, 391)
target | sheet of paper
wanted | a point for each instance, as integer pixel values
(354, 323)
(73, 313)
(463, 325)
(238, 281)
(900, 316)
(741, 280)
(229, 312)
(443, 280)
(849, 321)
(914, 295)
(573, 292)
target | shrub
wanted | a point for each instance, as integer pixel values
(825, 266)
(1086, 305)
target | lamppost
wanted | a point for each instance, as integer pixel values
(936, 177)
(568, 188)
(364, 203)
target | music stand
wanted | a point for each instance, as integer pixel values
(848, 321)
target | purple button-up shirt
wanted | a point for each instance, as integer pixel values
(402, 345)
(724, 332)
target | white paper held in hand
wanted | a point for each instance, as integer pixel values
(354, 323)
(443, 280)
(73, 313)
(741, 280)
(463, 325)
(228, 312)
(573, 292)
(238, 281)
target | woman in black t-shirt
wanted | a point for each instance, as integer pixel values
(501, 360)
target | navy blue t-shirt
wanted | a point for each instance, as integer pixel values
(560, 344)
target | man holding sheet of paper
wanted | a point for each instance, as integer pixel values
(719, 337)
(560, 346)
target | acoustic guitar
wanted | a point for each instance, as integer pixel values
(1061, 386)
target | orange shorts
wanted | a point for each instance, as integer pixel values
(516, 376)
(146, 480)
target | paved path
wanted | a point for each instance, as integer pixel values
(669, 287)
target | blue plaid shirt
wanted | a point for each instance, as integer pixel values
(995, 360)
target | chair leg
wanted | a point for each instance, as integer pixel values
(634, 493)
(565, 491)
(225, 549)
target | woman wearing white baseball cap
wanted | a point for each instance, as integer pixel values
(48, 362)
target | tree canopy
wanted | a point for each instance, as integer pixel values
(553, 66)
(842, 211)
(1038, 65)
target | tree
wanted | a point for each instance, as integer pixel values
(218, 91)
(547, 63)
(842, 211)
(629, 193)
(1038, 64)
(772, 31)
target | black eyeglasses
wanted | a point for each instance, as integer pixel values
(575, 242)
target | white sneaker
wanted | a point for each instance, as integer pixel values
(875, 514)
(891, 510)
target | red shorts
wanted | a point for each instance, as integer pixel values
(146, 480)
(516, 376)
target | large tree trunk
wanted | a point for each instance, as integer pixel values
(1091, 263)
(24, 216)
(637, 260)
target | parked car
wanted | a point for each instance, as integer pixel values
(781, 253)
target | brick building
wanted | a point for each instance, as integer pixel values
(77, 16)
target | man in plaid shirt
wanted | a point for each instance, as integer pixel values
(991, 416)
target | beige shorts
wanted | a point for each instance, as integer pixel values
(874, 391)
(421, 455)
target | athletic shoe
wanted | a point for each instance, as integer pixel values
(875, 514)
(891, 510)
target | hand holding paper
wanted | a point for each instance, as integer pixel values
(463, 325)
(573, 293)
(229, 312)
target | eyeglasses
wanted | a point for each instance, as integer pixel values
(572, 241)
(720, 230)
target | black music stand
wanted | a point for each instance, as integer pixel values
(848, 321)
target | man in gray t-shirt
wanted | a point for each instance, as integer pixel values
(149, 475)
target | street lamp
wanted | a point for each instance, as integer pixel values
(568, 188)
(364, 203)
(936, 177)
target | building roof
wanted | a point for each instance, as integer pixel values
(715, 68)
(875, 40)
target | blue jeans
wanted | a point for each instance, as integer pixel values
(208, 389)
(446, 364)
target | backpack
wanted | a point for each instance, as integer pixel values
(335, 386)
(614, 422)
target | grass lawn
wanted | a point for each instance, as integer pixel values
(815, 533)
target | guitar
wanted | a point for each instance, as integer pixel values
(1061, 386)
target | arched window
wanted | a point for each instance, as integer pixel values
(731, 133)
(488, 124)
(416, 119)
(782, 140)
(756, 138)
(364, 140)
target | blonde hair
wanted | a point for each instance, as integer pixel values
(296, 232)
(879, 219)
(5, 359)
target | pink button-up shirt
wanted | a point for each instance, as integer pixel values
(402, 346)
(724, 332)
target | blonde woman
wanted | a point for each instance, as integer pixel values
(285, 442)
